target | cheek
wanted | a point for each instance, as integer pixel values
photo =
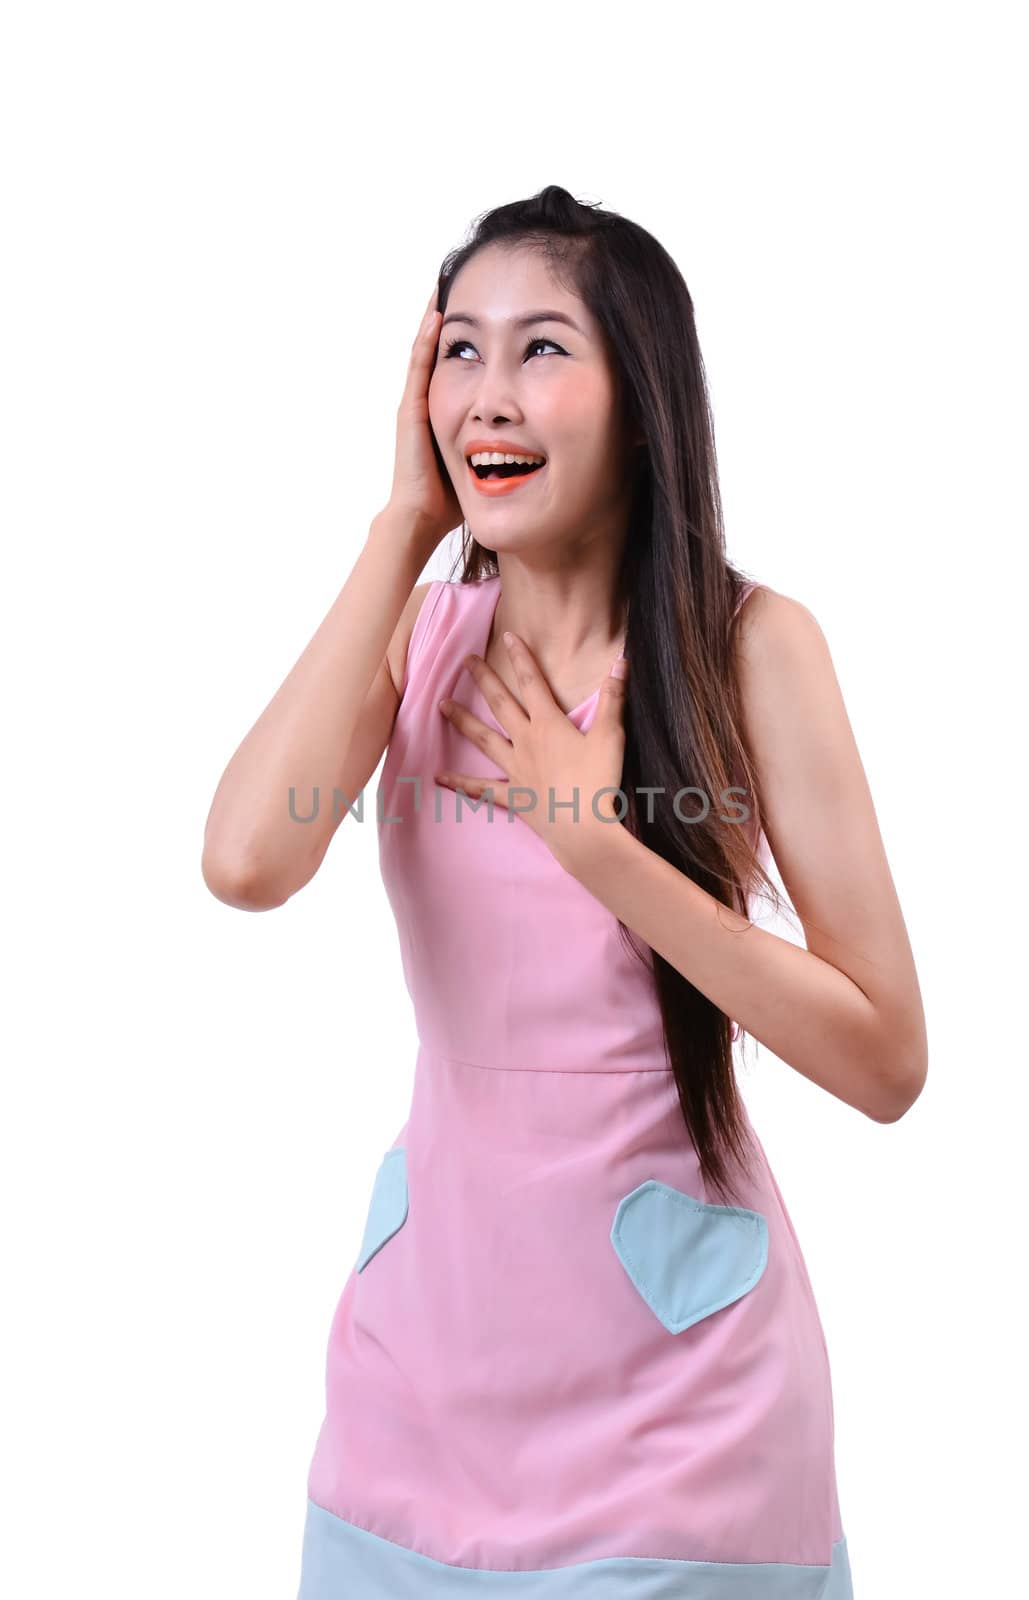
(584, 396)
(581, 424)
(443, 394)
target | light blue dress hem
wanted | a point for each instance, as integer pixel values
(342, 1561)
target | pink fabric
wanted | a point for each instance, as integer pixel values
(499, 1395)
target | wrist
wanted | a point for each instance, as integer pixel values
(590, 845)
(404, 531)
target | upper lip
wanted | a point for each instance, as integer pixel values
(505, 446)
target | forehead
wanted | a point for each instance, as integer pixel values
(498, 286)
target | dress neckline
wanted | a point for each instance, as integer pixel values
(483, 645)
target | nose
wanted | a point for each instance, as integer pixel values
(495, 401)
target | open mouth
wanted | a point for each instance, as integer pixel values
(513, 469)
(495, 479)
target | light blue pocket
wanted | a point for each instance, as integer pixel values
(687, 1259)
(388, 1209)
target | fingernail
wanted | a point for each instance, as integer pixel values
(620, 667)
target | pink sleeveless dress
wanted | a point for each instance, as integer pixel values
(557, 1368)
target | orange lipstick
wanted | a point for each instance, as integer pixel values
(494, 486)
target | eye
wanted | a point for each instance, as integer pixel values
(534, 342)
(457, 344)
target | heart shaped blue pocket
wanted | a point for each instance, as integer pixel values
(387, 1211)
(687, 1258)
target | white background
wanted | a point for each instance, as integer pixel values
(222, 223)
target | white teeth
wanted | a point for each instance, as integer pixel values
(494, 458)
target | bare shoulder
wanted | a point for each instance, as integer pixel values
(790, 697)
(784, 666)
(776, 626)
(396, 653)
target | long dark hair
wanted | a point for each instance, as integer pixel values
(679, 595)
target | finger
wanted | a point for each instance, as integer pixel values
(487, 739)
(536, 691)
(505, 706)
(428, 320)
(611, 703)
(475, 788)
(420, 368)
(423, 349)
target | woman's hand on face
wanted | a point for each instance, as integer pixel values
(422, 495)
(548, 761)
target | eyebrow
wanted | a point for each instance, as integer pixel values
(517, 322)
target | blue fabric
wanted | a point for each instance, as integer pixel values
(687, 1259)
(388, 1209)
(344, 1562)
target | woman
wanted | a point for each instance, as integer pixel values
(578, 1352)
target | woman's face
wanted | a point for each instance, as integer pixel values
(541, 386)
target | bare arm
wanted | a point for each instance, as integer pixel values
(846, 1011)
(328, 724)
(326, 727)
